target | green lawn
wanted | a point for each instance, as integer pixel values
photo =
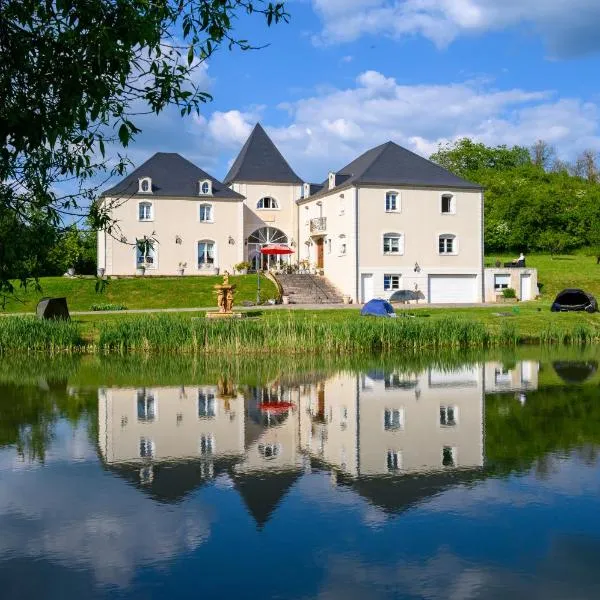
(138, 292)
(559, 272)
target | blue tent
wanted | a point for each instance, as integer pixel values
(378, 308)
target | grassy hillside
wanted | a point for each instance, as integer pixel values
(556, 273)
(139, 292)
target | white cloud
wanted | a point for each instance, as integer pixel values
(328, 129)
(568, 27)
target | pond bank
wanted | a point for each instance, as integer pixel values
(285, 335)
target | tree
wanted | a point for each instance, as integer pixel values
(466, 157)
(586, 166)
(542, 154)
(73, 76)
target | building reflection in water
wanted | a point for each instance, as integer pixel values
(395, 437)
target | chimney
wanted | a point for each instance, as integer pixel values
(331, 180)
(306, 192)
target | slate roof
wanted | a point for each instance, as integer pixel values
(391, 164)
(259, 160)
(172, 175)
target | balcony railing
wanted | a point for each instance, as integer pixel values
(318, 225)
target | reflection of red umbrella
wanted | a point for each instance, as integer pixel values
(276, 249)
(275, 407)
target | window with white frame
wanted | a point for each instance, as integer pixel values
(391, 282)
(269, 451)
(448, 206)
(145, 185)
(394, 460)
(267, 203)
(447, 244)
(146, 406)
(207, 405)
(343, 248)
(328, 245)
(206, 254)
(448, 456)
(205, 187)
(501, 282)
(206, 213)
(207, 444)
(392, 202)
(393, 243)
(448, 416)
(146, 255)
(393, 419)
(145, 212)
(147, 448)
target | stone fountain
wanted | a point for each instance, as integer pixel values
(225, 293)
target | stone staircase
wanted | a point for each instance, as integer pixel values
(309, 289)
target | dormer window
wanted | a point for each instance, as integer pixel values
(205, 187)
(331, 180)
(145, 185)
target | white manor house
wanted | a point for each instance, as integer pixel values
(389, 220)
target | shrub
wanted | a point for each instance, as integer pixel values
(101, 307)
(242, 266)
(509, 293)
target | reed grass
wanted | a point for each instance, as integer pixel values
(29, 334)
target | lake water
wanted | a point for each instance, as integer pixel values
(455, 477)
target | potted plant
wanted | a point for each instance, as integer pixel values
(144, 247)
(242, 267)
(181, 268)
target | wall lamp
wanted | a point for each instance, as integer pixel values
(417, 268)
(231, 241)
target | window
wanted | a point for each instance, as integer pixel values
(448, 204)
(147, 449)
(342, 244)
(146, 255)
(394, 460)
(145, 211)
(501, 282)
(205, 187)
(146, 475)
(269, 451)
(448, 416)
(448, 456)
(206, 213)
(393, 243)
(207, 408)
(391, 282)
(329, 246)
(448, 244)
(146, 406)
(392, 202)
(393, 419)
(206, 254)
(207, 444)
(145, 185)
(267, 203)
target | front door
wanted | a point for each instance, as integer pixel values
(320, 245)
(525, 287)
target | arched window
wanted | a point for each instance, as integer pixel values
(206, 213)
(267, 203)
(393, 243)
(269, 451)
(205, 187)
(448, 206)
(145, 185)
(392, 202)
(145, 212)
(206, 254)
(448, 244)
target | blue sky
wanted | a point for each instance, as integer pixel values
(346, 75)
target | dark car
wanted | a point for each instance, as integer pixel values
(570, 300)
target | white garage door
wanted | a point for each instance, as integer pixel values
(452, 289)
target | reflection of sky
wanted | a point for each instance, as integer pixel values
(70, 525)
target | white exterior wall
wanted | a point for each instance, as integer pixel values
(515, 274)
(421, 222)
(284, 218)
(173, 218)
(340, 213)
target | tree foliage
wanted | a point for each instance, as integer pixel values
(530, 204)
(73, 76)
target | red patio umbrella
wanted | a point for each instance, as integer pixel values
(270, 250)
